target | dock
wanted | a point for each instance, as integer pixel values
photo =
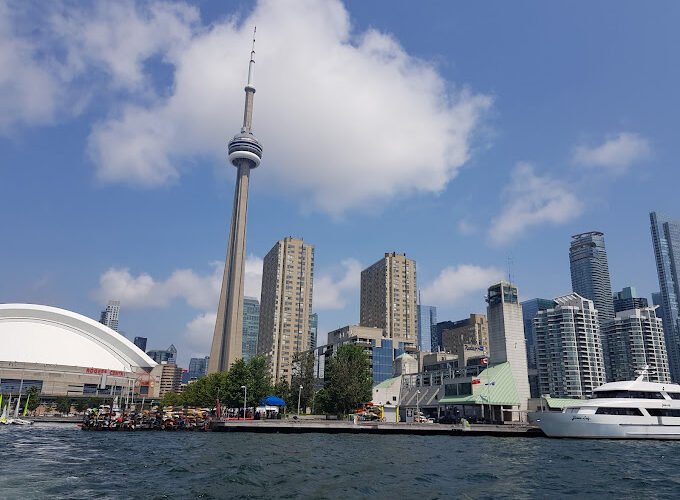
(348, 427)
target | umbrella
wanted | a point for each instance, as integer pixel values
(272, 401)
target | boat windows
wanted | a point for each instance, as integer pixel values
(606, 410)
(664, 412)
(629, 394)
(674, 395)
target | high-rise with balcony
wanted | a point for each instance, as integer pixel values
(627, 299)
(635, 341)
(568, 348)
(590, 272)
(388, 297)
(109, 316)
(666, 242)
(529, 310)
(506, 335)
(286, 304)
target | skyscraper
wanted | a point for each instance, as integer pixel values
(590, 272)
(506, 335)
(168, 355)
(286, 304)
(635, 341)
(313, 330)
(666, 241)
(251, 326)
(529, 310)
(568, 348)
(627, 299)
(427, 318)
(466, 338)
(245, 153)
(141, 343)
(198, 367)
(388, 297)
(109, 316)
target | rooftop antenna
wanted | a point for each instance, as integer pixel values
(510, 263)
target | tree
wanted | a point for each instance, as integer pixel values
(171, 399)
(303, 375)
(63, 405)
(81, 404)
(260, 379)
(33, 395)
(349, 379)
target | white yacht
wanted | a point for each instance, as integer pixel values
(635, 409)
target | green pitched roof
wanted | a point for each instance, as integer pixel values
(496, 386)
(386, 383)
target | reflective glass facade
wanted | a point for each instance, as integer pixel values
(427, 318)
(251, 326)
(666, 242)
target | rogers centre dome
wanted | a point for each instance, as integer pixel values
(65, 353)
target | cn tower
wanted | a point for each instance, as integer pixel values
(245, 153)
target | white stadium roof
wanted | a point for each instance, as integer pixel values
(31, 333)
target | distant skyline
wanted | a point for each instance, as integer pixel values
(475, 138)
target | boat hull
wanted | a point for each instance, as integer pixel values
(570, 425)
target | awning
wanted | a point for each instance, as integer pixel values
(272, 401)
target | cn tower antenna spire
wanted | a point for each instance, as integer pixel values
(251, 65)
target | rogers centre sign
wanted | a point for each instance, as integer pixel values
(103, 371)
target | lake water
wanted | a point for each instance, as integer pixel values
(60, 461)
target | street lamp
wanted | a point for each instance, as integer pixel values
(245, 396)
(299, 395)
(418, 405)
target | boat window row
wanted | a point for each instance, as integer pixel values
(674, 395)
(629, 394)
(664, 412)
(607, 410)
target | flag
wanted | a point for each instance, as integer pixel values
(484, 361)
(476, 381)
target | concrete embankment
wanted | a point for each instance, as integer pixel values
(343, 427)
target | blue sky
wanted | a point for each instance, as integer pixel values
(466, 134)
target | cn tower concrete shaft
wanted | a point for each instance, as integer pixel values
(244, 153)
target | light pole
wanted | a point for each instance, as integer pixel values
(299, 395)
(245, 396)
(418, 405)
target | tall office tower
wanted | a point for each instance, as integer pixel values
(245, 153)
(666, 240)
(388, 297)
(141, 343)
(529, 310)
(627, 299)
(590, 272)
(286, 304)
(313, 330)
(171, 378)
(427, 318)
(109, 316)
(635, 341)
(467, 338)
(251, 326)
(568, 348)
(506, 335)
(198, 367)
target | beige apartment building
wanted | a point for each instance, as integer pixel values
(286, 304)
(467, 338)
(388, 297)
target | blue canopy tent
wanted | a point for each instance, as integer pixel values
(272, 401)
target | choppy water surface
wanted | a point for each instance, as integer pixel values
(57, 461)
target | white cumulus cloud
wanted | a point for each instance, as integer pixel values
(616, 154)
(347, 119)
(199, 291)
(531, 200)
(457, 282)
(330, 290)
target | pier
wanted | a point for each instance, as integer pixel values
(347, 427)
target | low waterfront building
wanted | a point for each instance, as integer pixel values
(635, 341)
(382, 351)
(63, 353)
(568, 348)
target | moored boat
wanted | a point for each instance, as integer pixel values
(635, 409)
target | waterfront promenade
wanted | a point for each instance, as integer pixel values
(289, 426)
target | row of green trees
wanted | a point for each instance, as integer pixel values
(347, 384)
